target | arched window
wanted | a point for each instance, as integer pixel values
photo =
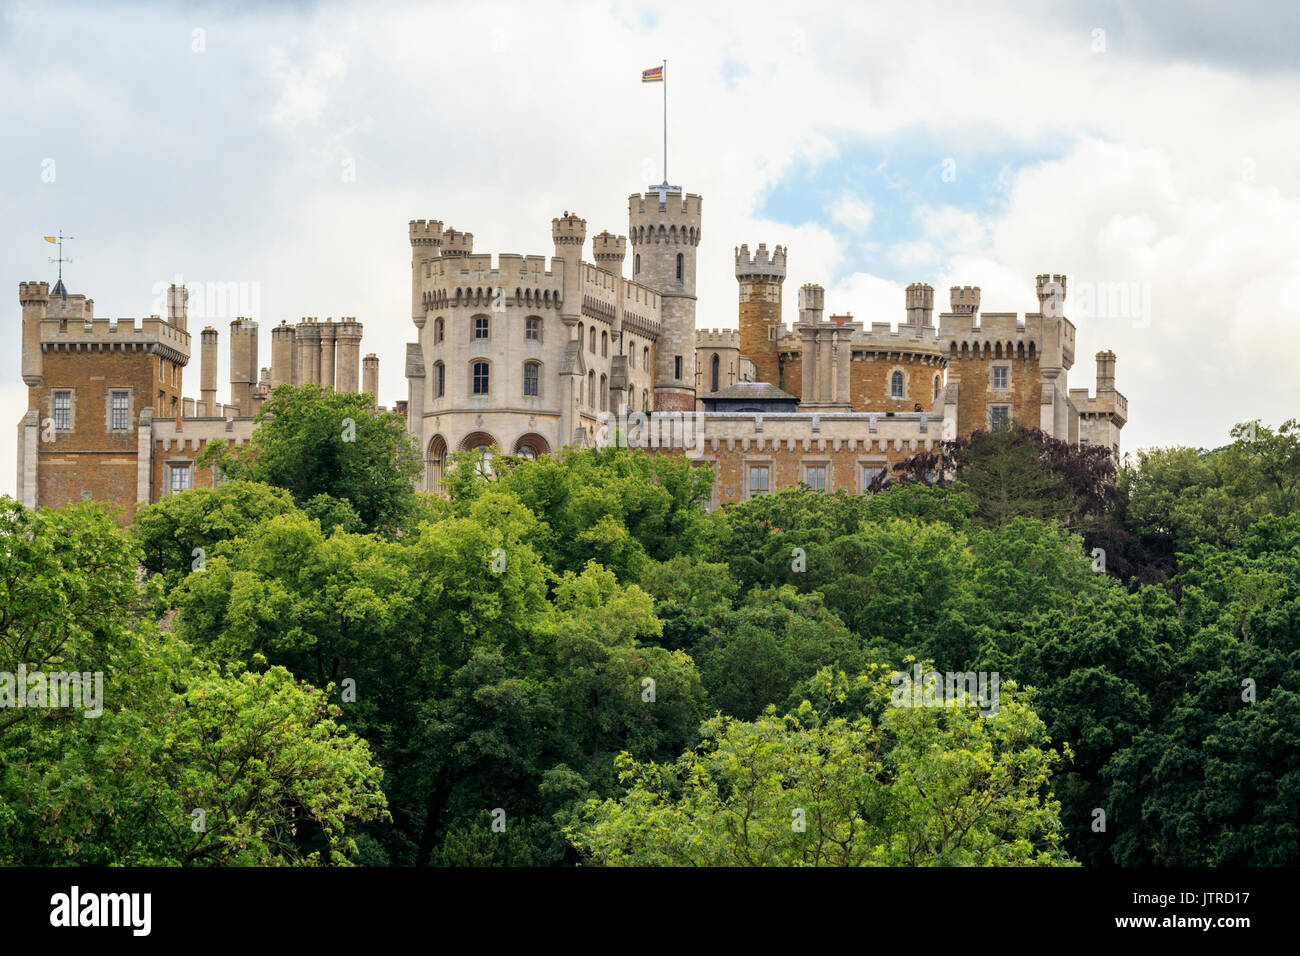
(592, 335)
(714, 375)
(631, 353)
(679, 267)
(604, 393)
(936, 387)
(480, 370)
(439, 327)
(591, 389)
(604, 344)
(532, 379)
(435, 461)
(645, 400)
(636, 264)
(645, 357)
(896, 385)
(483, 443)
(530, 446)
(440, 379)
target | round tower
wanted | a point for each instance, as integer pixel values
(34, 297)
(761, 278)
(426, 239)
(664, 227)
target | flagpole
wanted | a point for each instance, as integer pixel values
(664, 69)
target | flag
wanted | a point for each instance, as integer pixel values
(51, 239)
(653, 76)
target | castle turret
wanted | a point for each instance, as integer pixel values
(370, 378)
(569, 232)
(34, 297)
(609, 251)
(426, 240)
(283, 350)
(664, 227)
(208, 372)
(761, 279)
(964, 299)
(347, 355)
(1051, 295)
(920, 304)
(456, 244)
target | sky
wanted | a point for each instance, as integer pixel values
(1147, 151)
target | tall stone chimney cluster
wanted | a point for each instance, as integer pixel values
(321, 353)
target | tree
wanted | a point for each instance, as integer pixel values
(178, 532)
(315, 441)
(922, 786)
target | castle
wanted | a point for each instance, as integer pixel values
(527, 356)
(106, 419)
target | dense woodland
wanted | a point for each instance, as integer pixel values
(571, 661)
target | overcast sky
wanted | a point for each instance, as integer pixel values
(1148, 147)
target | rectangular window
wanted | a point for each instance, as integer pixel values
(999, 418)
(180, 478)
(442, 379)
(815, 477)
(533, 329)
(760, 479)
(63, 411)
(869, 475)
(530, 379)
(481, 327)
(1000, 376)
(120, 403)
(480, 378)
(677, 367)
(162, 369)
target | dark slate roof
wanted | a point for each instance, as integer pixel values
(751, 391)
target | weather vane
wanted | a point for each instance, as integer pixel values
(58, 240)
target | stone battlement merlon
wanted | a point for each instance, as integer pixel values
(675, 205)
(426, 232)
(480, 268)
(717, 338)
(760, 264)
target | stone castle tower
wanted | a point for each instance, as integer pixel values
(761, 278)
(664, 227)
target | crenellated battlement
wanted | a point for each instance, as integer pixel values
(760, 264)
(609, 250)
(569, 230)
(33, 293)
(676, 222)
(964, 299)
(717, 339)
(456, 244)
(59, 334)
(426, 232)
(1051, 295)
